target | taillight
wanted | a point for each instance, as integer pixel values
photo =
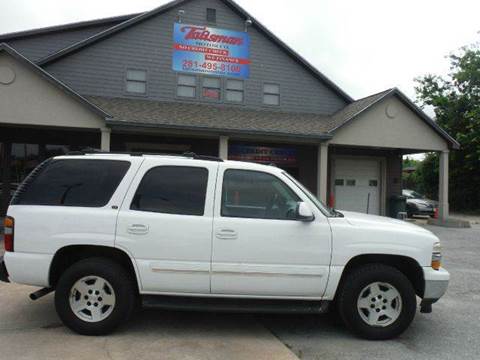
(8, 225)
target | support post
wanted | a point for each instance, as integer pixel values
(443, 206)
(105, 139)
(322, 172)
(5, 163)
(223, 147)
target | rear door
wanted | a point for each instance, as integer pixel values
(165, 223)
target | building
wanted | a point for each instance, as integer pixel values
(204, 76)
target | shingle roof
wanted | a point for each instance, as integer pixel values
(64, 27)
(214, 118)
(237, 119)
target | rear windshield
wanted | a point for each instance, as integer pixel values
(72, 182)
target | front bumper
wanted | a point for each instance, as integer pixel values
(436, 283)
(3, 271)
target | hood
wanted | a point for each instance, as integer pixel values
(366, 220)
(424, 202)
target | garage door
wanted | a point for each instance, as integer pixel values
(357, 185)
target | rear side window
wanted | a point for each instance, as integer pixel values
(74, 182)
(177, 190)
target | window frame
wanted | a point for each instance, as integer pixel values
(127, 80)
(271, 94)
(226, 90)
(212, 22)
(147, 172)
(25, 186)
(177, 85)
(222, 197)
(220, 89)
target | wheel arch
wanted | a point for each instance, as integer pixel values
(407, 265)
(69, 255)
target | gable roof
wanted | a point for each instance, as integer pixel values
(212, 118)
(230, 3)
(71, 26)
(67, 90)
(353, 110)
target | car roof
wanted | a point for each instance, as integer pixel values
(173, 158)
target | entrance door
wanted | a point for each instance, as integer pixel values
(357, 185)
(259, 249)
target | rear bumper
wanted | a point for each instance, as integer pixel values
(436, 283)
(3, 271)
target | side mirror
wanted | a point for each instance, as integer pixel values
(304, 213)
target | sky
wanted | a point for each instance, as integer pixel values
(363, 46)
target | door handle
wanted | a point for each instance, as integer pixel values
(226, 234)
(138, 229)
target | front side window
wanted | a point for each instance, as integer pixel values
(211, 88)
(271, 94)
(258, 195)
(84, 183)
(234, 90)
(187, 86)
(179, 190)
(136, 81)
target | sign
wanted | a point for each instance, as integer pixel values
(206, 50)
(265, 155)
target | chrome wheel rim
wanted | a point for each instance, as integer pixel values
(92, 299)
(379, 304)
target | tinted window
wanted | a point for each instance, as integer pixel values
(172, 190)
(86, 183)
(253, 194)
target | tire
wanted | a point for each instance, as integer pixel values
(375, 284)
(82, 286)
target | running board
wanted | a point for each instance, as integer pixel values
(234, 305)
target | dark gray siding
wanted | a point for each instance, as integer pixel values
(35, 47)
(100, 68)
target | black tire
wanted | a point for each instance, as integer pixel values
(122, 285)
(351, 290)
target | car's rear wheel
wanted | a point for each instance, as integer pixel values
(94, 296)
(377, 302)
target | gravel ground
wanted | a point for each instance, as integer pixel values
(452, 331)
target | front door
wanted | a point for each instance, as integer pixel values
(165, 224)
(259, 249)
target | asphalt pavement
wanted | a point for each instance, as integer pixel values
(451, 331)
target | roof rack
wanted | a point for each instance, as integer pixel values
(190, 155)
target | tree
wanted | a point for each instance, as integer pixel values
(456, 102)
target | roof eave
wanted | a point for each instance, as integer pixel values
(233, 5)
(220, 131)
(52, 80)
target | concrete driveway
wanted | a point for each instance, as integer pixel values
(32, 330)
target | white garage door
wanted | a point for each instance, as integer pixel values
(357, 185)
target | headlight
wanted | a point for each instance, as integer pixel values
(437, 256)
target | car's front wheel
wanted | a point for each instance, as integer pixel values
(377, 302)
(94, 296)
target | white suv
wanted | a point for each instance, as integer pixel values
(110, 231)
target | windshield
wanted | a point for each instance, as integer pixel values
(322, 207)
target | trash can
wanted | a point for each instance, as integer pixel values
(398, 206)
